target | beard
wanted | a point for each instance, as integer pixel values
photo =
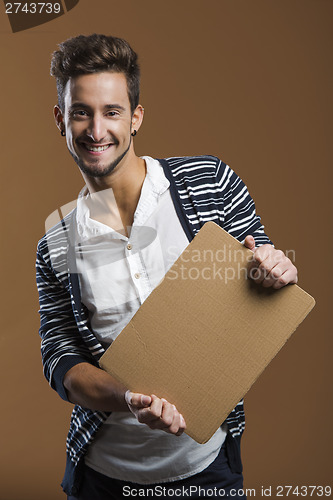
(93, 171)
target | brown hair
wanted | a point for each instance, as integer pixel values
(92, 54)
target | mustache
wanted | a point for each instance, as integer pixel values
(89, 140)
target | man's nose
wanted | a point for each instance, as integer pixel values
(97, 129)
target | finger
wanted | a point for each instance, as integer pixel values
(177, 425)
(286, 278)
(137, 400)
(128, 397)
(170, 422)
(249, 242)
(270, 269)
(265, 259)
(263, 252)
(273, 276)
(182, 425)
(168, 411)
(166, 419)
(152, 413)
(259, 256)
(283, 268)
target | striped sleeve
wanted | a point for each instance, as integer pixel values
(240, 218)
(61, 344)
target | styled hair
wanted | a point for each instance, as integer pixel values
(83, 55)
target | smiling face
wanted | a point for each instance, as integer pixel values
(98, 122)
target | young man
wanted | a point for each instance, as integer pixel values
(97, 266)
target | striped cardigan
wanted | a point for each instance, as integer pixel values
(203, 188)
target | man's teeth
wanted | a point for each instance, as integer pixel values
(97, 149)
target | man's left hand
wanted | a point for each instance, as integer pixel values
(269, 266)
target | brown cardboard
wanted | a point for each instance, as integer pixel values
(206, 333)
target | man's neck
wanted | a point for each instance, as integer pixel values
(113, 199)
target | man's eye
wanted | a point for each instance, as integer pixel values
(79, 112)
(112, 113)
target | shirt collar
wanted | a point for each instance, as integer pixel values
(154, 185)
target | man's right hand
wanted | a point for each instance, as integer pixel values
(155, 412)
(93, 388)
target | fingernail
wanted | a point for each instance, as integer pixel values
(145, 400)
(128, 397)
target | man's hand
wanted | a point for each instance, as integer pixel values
(269, 266)
(156, 413)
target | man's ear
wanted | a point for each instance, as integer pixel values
(137, 118)
(59, 119)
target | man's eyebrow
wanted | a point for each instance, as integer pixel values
(76, 105)
(115, 106)
(80, 105)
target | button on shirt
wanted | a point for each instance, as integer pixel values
(117, 274)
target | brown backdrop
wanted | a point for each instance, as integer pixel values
(248, 81)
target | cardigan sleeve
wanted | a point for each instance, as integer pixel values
(61, 344)
(240, 218)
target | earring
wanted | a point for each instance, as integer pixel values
(63, 133)
(133, 134)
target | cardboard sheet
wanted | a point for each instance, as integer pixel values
(206, 333)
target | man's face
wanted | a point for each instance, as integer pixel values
(98, 121)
